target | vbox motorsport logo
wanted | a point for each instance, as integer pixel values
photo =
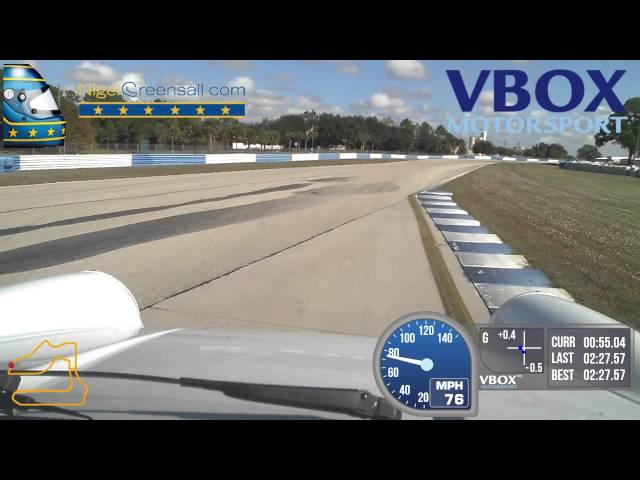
(514, 84)
(499, 382)
(30, 115)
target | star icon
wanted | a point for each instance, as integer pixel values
(225, 110)
(13, 132)
(98, 110)
(200, 110)
(32, 133)
(123, 110)
(50, 132)
(175, 110)
(148, 110)
(63, 130)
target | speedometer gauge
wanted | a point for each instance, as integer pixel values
(425, 364)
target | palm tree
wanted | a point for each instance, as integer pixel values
(274, 137)
(193, 132)
(291, 137)
(227, 131)
(211, 129)
(173, 132)
(251, 136)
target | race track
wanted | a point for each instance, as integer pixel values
(330, 248)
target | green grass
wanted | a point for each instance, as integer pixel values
(31, 177)
(582, 229)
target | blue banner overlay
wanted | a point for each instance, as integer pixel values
(161, 110)
(38, 132)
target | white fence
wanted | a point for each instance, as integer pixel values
(50, 162)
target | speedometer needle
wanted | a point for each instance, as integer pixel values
(426, 363)
(405, 359)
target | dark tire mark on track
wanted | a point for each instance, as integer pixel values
(137, 211)
(78, 247)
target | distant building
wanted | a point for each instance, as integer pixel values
(474, 140)
(254, 146)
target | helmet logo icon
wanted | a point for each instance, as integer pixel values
(29, 106)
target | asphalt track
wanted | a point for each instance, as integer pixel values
(330, 248)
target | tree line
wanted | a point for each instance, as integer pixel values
(539, 150)
(310, 130)
(305, 131)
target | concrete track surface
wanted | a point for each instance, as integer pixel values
(332, 248)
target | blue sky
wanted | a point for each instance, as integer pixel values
(414, 89)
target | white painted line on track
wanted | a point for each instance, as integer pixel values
(462, 222)
(451, 211)
(471, 237)
(436, 203)
(438, 198)
(492, 260)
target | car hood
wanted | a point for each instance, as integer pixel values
(285, 358)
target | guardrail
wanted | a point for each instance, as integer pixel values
(598, 167)
(50, 162)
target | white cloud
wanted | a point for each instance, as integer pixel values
(602, 110)
(486, 103)
(382, 104)
(93, 72)
(177, 81)
(282, 77)
(283, 81)
(402, 92)
(266, 104)
(265, 98)
(134, 77)
(245, 82)
(244, 65)
(548, 139)
(350, 69)
(233, 65)
(309, 102)
(425, 108)
(344, 66)
(571, 141)
(406, 69)
(486, 98)
(383, 100)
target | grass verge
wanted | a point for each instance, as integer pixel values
(582, 229)
(32, 177)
